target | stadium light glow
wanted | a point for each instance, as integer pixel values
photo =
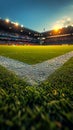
(12, 22)
(7, 20)
(56, 28)
(16, 24)
(10, 27)
(21, 30)
(22, 26)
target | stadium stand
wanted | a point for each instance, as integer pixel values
(10, 33)
(13, 33)
(62, 36)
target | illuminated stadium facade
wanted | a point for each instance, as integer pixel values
(13, 33)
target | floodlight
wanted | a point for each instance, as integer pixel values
(22, 26)
(7, 20)
(16, 24)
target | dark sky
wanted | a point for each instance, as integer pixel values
(38, 14)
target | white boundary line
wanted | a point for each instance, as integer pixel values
(34, 74)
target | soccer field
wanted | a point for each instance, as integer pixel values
(49, 103)
(34, 54)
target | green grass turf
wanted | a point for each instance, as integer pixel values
(48, 106)
(34, 54)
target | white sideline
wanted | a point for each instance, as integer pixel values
(34, 74)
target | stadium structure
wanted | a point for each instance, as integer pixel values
(14, 33)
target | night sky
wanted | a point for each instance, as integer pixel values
(38, 15)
